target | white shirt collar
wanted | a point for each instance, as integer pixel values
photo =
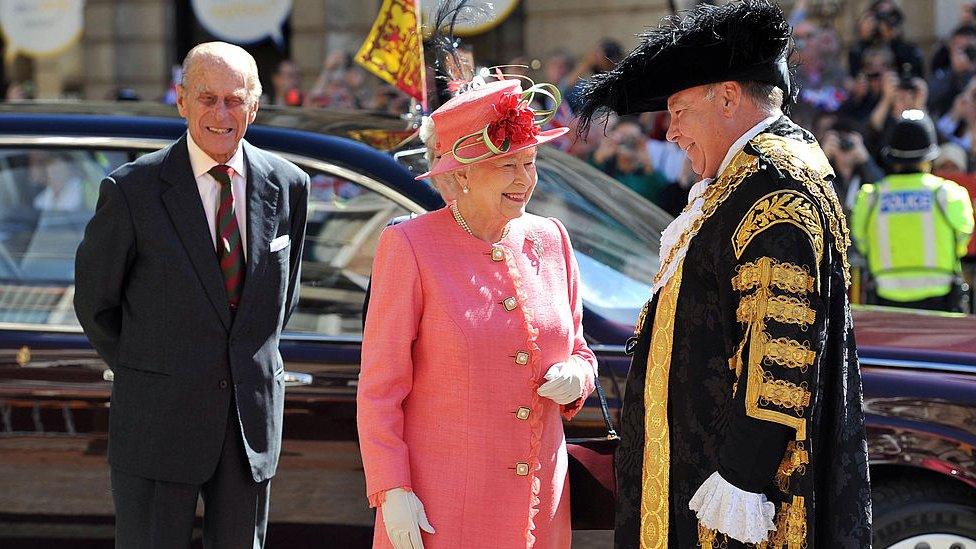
(745, 138)
(200, 162)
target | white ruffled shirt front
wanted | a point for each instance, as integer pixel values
(669, 238)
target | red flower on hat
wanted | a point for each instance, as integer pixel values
(516, 124)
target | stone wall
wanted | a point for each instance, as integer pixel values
(129, 43)
(126, 44)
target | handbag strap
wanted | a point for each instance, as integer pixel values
(611, 432)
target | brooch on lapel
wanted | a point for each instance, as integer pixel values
(533, 248)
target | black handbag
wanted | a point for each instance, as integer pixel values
(592, 476)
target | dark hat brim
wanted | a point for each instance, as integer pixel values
(741, 41)
(898, 156)
(777, 74)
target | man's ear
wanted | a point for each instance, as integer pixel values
(731, 95)
(181, 100)
(254, 113)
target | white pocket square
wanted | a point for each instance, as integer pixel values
(280, 243)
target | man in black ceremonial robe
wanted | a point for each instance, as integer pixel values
(742, 423)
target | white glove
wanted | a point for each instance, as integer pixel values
(565, 381)
(404, 516)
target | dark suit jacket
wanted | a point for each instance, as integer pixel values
(150, 297)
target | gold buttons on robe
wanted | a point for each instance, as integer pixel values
(522, 469)
(522, 358)
(497, 254)
(523, 413)
(510, 303)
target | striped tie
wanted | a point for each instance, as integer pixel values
(229, 248)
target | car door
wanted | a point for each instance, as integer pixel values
(319, 487)
(53, 392)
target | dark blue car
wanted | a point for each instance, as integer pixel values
(919, 370)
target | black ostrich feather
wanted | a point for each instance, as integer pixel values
(443, 47)
(743, 40)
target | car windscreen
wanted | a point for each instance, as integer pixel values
(616, 233)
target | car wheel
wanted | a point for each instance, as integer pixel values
(919, 514)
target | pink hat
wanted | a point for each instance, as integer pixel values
(490, 121)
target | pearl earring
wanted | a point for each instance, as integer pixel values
(464, 189)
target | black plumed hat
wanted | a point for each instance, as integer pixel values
(747, 40)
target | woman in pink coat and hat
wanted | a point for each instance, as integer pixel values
(473, 351)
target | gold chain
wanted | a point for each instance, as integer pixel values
(464, 224)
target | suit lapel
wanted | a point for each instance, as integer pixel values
(182, 201)
(262, 222)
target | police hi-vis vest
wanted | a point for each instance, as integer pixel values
(913, 228)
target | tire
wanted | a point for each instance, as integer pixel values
(922, 514)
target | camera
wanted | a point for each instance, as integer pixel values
(906, 77)
(891, 17)
(846, 143)
(970, 52)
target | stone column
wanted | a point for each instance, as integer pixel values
(126, 45)
(99, 46)
(319, 27)
(578, 25)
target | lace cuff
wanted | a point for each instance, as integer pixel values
(741, 515)
(379, 498)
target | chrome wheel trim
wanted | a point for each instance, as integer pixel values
(936, 541)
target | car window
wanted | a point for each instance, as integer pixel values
(616, 233)
(47, 197)
(345, 220)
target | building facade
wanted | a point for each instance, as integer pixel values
(134, 44)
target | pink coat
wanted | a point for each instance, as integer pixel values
(447, 397)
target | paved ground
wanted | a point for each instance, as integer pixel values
(56, 489)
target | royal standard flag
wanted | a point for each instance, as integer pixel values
(394, 49)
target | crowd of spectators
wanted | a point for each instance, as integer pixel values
(849, 97)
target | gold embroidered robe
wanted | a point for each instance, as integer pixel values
(745, 364)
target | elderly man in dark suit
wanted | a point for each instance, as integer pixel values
(186, 275)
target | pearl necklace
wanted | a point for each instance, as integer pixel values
(464, 224)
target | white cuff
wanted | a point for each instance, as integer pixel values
(741, 515)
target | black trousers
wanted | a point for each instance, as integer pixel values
(156, 514)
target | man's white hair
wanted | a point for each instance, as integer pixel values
(226, 54)
(767, 97)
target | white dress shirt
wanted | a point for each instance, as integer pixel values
(200, 163)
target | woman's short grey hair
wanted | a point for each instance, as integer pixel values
(427, 137)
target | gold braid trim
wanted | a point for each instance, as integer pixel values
(788, 353)
(791, 526)
(785, 276)
(785, 309)
(783, 394)
(742, 166)
(641, 318)
(775, 208)
(711, 539)
(655, 479)
(761, 388)
(795, 461)
(806, 163)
